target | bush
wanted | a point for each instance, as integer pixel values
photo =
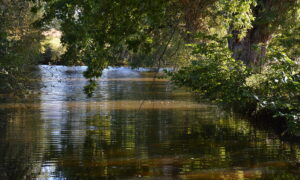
(277, 89)
(217, 77)
(19, 46)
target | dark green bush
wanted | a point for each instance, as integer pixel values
(217, 77)
(277, 89)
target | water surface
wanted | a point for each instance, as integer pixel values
(133, 128)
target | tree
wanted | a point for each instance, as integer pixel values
(271, 17)
(98, 32)
(19, 43)
(93, 28)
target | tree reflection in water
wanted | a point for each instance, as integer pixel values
(22, 144)
(64, 135)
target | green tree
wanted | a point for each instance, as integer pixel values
(19, 43)
(271, 18)
(100, 33)
(95, 30)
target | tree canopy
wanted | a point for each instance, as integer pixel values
(95, 32)
(19, 43)
(231, 52)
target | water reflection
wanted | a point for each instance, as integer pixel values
(21, 144)
(64, 135)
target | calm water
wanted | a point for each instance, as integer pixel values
(132, 128)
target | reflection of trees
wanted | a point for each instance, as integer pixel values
(87, 142)
(101, 144)
(22, 145)
(168, 143)
(130, 90)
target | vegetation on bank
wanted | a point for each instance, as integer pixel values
(242, 54)
(23, 45)
(272, 91)
(19, 45)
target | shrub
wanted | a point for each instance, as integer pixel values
(277, 87)
(217, 77)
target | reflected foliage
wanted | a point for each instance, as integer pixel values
(68, 136)
(19, 146)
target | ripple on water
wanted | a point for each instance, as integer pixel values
(132, 128)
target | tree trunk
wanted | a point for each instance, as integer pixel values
(270, 16)
(251, 49)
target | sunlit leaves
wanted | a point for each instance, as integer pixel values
(217, 77)
(237, 14)
(96, 28)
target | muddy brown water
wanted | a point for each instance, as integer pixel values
(132, 128)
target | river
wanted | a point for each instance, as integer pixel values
(132, 128)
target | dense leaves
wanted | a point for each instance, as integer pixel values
(95, 31)
(236, 55)
(217, 77)
(19, 44)
(277, 89)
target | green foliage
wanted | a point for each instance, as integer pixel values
(236, 15)
(90, 88)
(166, 49)
(136, 32)
(288, 41)
(19, 44)
(109, 32)
(93, 31)
(104, 33)
(216, 76)
(277, 89)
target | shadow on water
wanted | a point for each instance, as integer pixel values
(64, 135)
(21, 144)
